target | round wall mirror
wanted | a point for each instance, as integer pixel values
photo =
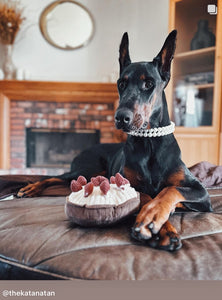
(66, 24)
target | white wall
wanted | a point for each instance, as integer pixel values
(145, 20)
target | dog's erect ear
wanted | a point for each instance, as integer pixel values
(164, 58)
(124, 58)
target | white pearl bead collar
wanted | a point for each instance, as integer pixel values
(154, 132)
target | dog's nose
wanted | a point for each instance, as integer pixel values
(123, 119)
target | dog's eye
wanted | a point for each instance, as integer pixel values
(147, 85)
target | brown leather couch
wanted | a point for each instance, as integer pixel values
(38, 242)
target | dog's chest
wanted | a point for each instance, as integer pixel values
(144, 179)
(144, 168)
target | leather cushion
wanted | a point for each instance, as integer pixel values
(37, 237)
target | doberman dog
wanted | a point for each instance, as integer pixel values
(150, 158)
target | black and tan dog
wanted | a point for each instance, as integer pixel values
(150, 159)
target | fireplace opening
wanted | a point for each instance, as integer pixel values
(56, 148)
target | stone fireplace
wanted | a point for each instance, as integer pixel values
(46, 119)
(36, 124)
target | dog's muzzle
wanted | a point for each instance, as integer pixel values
(124, 119)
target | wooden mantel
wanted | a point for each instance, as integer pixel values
(46, 91)
(59, 91)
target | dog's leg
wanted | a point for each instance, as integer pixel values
(153, 217)
(36, 189)
(156, 212)
(167, 237)
(152, 225)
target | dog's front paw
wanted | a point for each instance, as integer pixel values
(31, 190)
(151, 218)
(153, 228)
(170, 241)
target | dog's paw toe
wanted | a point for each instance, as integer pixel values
(139, 234)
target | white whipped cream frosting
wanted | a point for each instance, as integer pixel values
(115, 196)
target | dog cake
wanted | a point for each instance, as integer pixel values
(101, 202)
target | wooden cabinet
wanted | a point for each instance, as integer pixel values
(194, 92)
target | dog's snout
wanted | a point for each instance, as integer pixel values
(123, 119)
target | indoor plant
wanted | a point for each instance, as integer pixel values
(11, 18)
